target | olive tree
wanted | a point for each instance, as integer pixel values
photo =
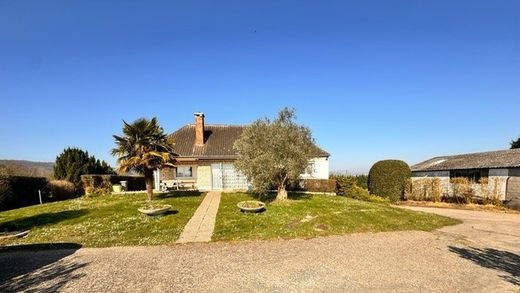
(273, 153)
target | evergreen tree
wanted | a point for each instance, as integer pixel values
(515, 144)
(74, 162)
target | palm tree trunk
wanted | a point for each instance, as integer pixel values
(148, 179)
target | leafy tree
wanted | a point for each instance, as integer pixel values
(142, 148)
(515, 144)
(74, 162)
(275, 153)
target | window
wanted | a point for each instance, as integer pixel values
(473, 175)
(184, 172)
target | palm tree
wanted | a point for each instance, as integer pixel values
(142, 148)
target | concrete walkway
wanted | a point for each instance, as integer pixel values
(201, 225)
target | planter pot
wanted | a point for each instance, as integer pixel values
(251, 206)
(13, 235)
(117, 188)
(155, 211)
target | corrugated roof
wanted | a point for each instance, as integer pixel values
(219, 141)
(485, 160)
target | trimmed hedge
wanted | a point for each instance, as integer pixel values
(388, 178)
(93, 181)
(62, 189)
(316, 185)
(21, 191)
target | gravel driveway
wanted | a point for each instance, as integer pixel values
(459, 258)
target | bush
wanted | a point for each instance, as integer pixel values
(363, 194)
(97, 191)
(21, 191)
(347, 186)
(61, 189)
(135, 183)
(388, 179)
(315, 185)
(462, 191)
(428, 189)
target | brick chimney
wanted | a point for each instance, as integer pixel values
(199, 128)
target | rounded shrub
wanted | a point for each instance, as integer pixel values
(388, 178)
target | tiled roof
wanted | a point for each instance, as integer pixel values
(219, 141)
(496, 159)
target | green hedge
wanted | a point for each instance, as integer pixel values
(315, 185)
(21, 191)
(135, 183)
(388, 179)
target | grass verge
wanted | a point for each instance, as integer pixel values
(317, 215)
(103, 221)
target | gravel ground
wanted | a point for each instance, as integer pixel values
(443, 261)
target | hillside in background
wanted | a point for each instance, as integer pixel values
(26, 168)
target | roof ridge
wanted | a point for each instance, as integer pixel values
(477, 153)
(220, 125)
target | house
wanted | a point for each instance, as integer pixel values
(206, 159)
(501, 168)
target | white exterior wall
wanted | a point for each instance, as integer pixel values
(497, 180)
(443, 176)
(499, 177)
(320, 169)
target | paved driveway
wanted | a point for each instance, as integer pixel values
(485, 229)
(478, 256)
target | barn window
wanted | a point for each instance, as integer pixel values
(184, 172)
(473, 175)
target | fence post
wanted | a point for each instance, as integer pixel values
(40, 196)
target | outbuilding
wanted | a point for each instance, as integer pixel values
(502, 168)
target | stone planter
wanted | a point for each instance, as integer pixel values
(13, 235)
(251, 206)
(155, 210)
(117, 188)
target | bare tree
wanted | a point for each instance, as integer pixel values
(272, 154)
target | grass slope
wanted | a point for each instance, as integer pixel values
(102, 221)
(317, 215)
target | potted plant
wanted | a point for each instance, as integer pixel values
(117, 188)
(251, 206)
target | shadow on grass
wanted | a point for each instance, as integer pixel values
(180, 193)
(38, 267)
(41, 220)
(500, 260)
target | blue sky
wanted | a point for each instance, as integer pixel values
(373, 79)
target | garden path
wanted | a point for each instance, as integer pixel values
(200, 226)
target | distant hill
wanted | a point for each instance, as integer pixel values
(26, 168)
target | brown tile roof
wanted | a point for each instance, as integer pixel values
(219, 141)
(496, 159)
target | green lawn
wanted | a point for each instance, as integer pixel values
(111, 220)
(317, 215)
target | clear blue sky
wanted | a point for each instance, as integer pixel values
(373, 79)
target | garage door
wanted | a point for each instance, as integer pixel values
(513, 188)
